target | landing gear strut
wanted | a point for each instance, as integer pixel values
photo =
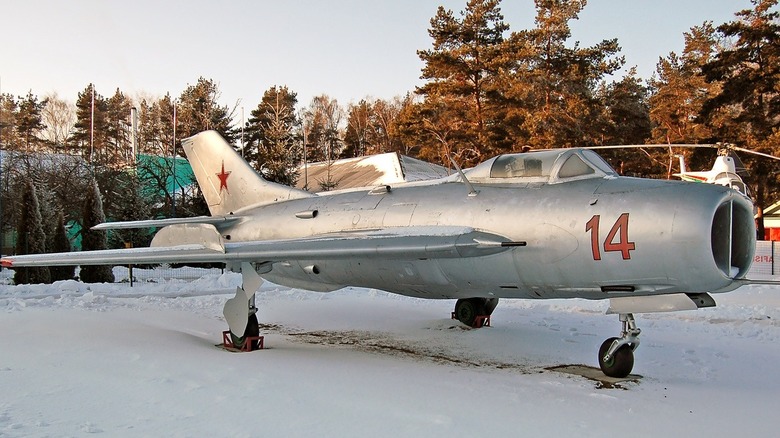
(469, 310)
(240, 311)
(616, 355)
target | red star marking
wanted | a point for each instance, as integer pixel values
(223, 176)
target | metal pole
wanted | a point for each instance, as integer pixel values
(305, 165)
(134, 134)
(173, 207)
(92, 128)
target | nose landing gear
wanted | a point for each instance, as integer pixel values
(616, 355)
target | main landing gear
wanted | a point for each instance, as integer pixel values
(474, 311)
(616, 355)
(251, 335)
(240, 311)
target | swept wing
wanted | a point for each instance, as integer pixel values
(389, 243)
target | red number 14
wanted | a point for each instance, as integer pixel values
(619, 231)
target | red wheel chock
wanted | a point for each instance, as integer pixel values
(227, 342)
(479, 322)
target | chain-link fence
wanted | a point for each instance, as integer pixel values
(122, 274)
(764, 260)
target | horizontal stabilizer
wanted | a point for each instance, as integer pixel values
(158, 223)
(189, 234)
(135, 256)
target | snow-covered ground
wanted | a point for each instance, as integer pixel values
(78, 360)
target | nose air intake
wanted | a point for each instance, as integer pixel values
(733, 238)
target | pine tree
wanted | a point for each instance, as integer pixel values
(94, 239)
(89, 132)
(61, 243)
(31, 238)
(131, 206)
(462, 68)
(29, 121)
(747, 109)
(680, 89)
(748, 72)
(627, 114)
(271, 144)
(198, 110)
(117, 134)
(552, 86)
(8, 111)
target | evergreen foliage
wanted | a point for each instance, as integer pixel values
(198, 110)
(463, 105)
(29, 120)
(31, 238)
(746, 111)
(271, 141)
(552, 89)
(134, 206)
(679, 89)
(94, 239)
(8, 112)
(89, 132)
(60, 243)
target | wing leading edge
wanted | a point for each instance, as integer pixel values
(401, 243)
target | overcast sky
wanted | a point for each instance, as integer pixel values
(348, 49)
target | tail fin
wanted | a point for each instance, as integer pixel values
(228, 182)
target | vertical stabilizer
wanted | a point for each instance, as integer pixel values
(228, 182)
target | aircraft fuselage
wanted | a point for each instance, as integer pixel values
(592, 238)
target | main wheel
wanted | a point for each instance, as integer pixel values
(620, 364)
(252, 329)
(467, 310)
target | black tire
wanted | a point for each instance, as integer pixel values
(252, 329)
(467, 310)
(620, 364)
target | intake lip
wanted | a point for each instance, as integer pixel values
(732, 236)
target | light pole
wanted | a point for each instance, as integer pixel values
(2, 235)
(173, 198)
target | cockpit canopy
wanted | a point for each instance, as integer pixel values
(546, 166)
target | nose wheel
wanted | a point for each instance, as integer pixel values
(616, 355)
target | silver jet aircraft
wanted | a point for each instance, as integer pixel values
(538, 225)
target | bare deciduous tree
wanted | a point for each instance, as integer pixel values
(59, 118)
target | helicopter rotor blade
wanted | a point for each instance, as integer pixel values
(638, 146)
(748, 151)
